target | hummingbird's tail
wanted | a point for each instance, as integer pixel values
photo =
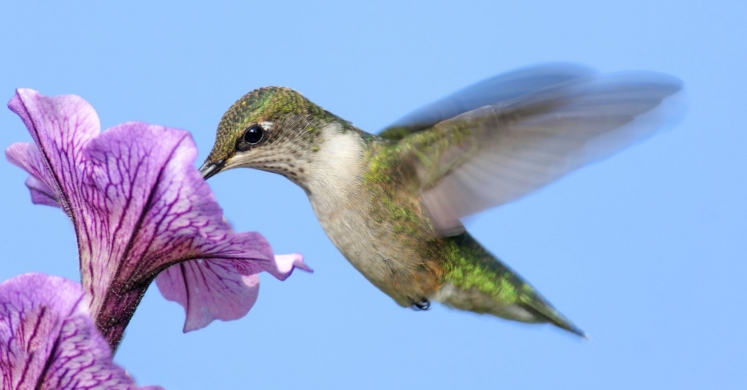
(477, 281)
(541, 309)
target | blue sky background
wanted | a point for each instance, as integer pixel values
(644, 251)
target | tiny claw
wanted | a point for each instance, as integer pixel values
(423, 305)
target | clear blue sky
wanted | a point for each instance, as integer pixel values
(644, 251)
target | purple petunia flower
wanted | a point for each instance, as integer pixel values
(48, 340)
(140, 209)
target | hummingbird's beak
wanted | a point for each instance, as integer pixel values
(209, 169)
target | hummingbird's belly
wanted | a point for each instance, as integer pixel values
(376, 250)
(355, 216)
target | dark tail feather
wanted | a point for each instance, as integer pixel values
(546, 312)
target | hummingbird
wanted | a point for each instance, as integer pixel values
(393, 202)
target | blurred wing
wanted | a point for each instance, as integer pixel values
(488, 92)
(498, 153)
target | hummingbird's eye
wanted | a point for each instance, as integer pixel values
(253, 134)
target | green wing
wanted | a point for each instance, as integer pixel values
(499, 152)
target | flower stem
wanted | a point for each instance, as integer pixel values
(118, 307)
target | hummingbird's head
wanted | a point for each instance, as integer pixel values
(274, 129)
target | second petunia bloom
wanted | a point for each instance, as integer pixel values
(48, 341)
(139, 208)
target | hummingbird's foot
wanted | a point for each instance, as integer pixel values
(422, 305)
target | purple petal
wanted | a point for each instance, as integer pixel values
(27, 156)
(60, 126)
(285, 265)
(40, 193)
(164, 212)
(208, 290)
(48, 341)
(139, 207)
